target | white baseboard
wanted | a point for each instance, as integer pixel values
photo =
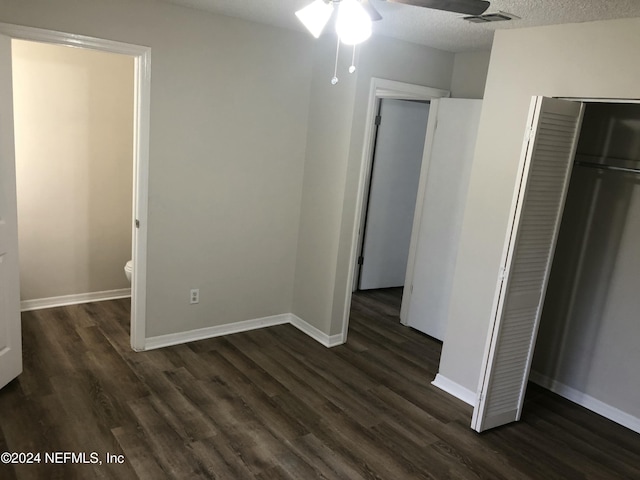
(220, 330)
(51, 302)
(455, 389)
(317, 335)
(587, 401)
(160, 341)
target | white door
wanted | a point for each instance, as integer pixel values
(438, 229)
(10, 336)
(545, 170)
(392, 195)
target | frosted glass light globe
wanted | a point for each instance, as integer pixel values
(315, 16)
(353, 24)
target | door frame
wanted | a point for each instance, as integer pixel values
(142, 103)
(379, 88)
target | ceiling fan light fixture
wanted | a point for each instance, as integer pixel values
(315, 16)
(353, 24)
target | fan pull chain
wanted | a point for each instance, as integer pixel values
(334, 80)
(352, 68)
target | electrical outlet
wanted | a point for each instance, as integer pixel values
(194, 296)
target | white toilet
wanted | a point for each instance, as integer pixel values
(128, 269)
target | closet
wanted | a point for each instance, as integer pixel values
(567, 285)
(587, 347)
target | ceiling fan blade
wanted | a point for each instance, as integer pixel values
(469, 7)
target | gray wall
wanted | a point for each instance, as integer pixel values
(392, 60)
(469, 74)
(73, 111)
(578, 60)
(229, 110)
(331, 115)
(589, 327)
(333, 166)
(243, 204)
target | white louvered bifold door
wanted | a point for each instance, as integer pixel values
(544, 173)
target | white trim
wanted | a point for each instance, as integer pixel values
(217, 331)
(64, 300)
(587, 401)
(600, 100)
(319, 336)
(379, 88)
(62, 38)
(142, 102)
(455, 389)
(142, 123)
(210, 332)
(405, 91)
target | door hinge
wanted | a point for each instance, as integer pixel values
(378, 119)
(529, 134)
(360, 260)
(501, 273)
(137, 223)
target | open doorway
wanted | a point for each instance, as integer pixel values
(73, 130)
(380, 90)
(391, 197)
(141, 97)
(435, 211)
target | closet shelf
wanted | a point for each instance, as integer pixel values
(601, 162)
(613, 168)
(604, 158)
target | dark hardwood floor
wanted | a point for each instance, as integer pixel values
(273, 403)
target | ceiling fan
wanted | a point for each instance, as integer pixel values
(469, 7)
(354, 17)
(360, 12)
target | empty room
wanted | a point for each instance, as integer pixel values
(331, 239)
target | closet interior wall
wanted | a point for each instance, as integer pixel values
(588, 346)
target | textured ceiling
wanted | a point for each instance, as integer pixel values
(442, 30)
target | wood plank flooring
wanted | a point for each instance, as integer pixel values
(274, 404)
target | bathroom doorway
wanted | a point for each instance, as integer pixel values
(119, 173)
(73, 131)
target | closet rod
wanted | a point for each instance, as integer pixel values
(607, 167)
